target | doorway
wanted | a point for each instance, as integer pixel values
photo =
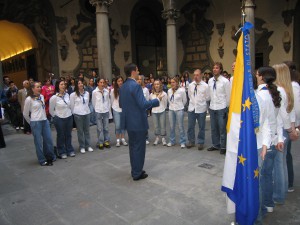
(149, 38)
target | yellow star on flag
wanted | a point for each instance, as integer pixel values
(242, 159)
(256, 173)
(247, 104)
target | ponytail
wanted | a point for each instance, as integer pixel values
(275, 94)
(269, 76)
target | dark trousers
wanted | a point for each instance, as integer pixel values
(137, 150)
(2, 142)
(218, 121)
(27, 127)
(15, 115)
(64, 135)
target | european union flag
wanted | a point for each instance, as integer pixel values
(241, 161)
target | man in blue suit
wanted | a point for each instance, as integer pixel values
(134, 119)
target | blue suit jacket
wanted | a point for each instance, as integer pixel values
(134, 106)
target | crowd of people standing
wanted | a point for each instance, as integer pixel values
(80, 103)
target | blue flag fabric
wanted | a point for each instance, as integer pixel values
(241, 173)
(246, 186)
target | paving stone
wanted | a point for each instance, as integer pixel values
(25, 207)
(96, 188)
(162, 217)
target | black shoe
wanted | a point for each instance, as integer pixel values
(212, 148)
(142, 176)
(50, 162)
(223, 151)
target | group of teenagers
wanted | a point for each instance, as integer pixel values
(277, 90)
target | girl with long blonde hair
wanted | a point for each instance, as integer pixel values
(286, 119)
(159, 112)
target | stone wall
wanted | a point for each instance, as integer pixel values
(227, 12)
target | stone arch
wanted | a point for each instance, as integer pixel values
(39, 17)
(148, 37)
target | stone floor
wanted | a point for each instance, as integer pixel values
(96, 188)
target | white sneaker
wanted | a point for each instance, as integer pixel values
(147, 142)
(169, 144)
(291, 189)
(118, 143)
(164, 142)
(90, 149)
(182, 145)
(124, 142)
(156, 141)
(63, 156)
(82, 150)
(269, 209)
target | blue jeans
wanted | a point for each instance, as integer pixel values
(42, 140)
(92, 114)
(176, 116)
(159, 121)
(83, 130)
(260, 211)
(117, 120)
(266, 181)
(192, 117)
(280, 173)
(64, 135)
(218, 121)
(102, 127)
(289, 162)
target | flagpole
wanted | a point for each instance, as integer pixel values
(249, 8)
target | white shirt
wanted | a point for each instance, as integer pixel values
(162, 104)
(114, 102)
(296, 91)
(101, 101)
(220, 96)
(272, 113)
(198, 97)
(35, 108)
(60, 106)
(184, 85)
(146, 93)
(80, 104)
(263, 136)
(176, 100)
(283, 119)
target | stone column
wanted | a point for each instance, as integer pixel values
(250, 17)
(103, 37)
(171, 15)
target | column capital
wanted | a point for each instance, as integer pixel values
(101, 3)
(170, 14)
